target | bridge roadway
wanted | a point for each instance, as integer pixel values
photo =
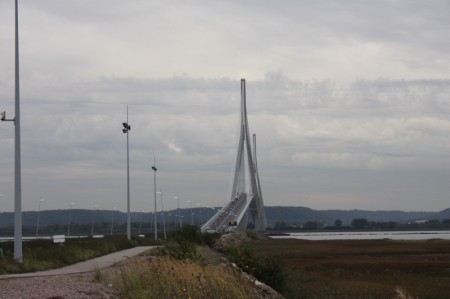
(232, 212)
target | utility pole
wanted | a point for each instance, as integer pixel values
(126, 129)
(154, 189)
(178, 209)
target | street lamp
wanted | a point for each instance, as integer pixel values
(37, 220)
(178, 208)
(190, 209)
(93, 215)
(126, 129)
(112, 220)
(18, 257)
(162, 211)
(140, 221)
(154, 187)
(70, 212)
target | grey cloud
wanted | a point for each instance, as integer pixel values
(349, 100)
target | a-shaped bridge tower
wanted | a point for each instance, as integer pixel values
(246, 198)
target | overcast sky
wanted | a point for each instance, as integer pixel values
(350, 101)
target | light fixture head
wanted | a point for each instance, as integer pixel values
(154, 168)
(126, 126)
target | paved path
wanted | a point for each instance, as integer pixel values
(86, 266)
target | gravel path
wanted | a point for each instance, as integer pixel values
(73, 282)
(73, 286)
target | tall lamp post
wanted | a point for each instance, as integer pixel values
(190, 209)
(18, 256)
(178, 209)
(162, 212)
(199, 208)
(126, 129)
(70, 212)
(38, 213)
(93, 216)
(140, 221)
(154, 187)
(112, 220)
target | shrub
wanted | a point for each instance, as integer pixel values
(266, 269)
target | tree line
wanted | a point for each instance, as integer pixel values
(362, 223)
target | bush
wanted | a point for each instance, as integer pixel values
(268, 270)
(180, 251)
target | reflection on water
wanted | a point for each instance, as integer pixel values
(394, 235)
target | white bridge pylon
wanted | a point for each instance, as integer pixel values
(246, 198)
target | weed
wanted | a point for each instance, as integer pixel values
(98, 275)
(266, 269)
(401, 293)
(165, 277)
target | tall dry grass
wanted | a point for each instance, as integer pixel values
(164, 277)
(401, 293)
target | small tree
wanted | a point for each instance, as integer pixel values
(360, 223)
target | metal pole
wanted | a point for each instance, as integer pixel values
(178, 209)
(140, 222)
(128, 185)
(93, 216)
(37, 221)
(70, 212)
(190, 209)
(112, 220)
(18, 176)
(154, 187)
(163, 217)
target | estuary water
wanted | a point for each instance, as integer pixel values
(371, 235)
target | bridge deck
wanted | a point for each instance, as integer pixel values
(229, 217)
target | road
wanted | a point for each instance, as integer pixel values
(86, 266)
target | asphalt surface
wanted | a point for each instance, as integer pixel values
(86, 266)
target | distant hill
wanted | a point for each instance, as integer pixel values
(299, 215)
(292, 215)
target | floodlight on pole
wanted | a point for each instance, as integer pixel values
(38, 214)
(93, 216)
(18, 256)
(140, 221)
(154, 188)
(199, 208)
(70, 212)
(126, 129)
(112, 220)
(190, 209)
(178, 208)
(162, 211)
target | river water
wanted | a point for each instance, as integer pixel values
(372, 235)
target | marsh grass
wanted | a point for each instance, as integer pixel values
(165, 277)
(362, 268)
